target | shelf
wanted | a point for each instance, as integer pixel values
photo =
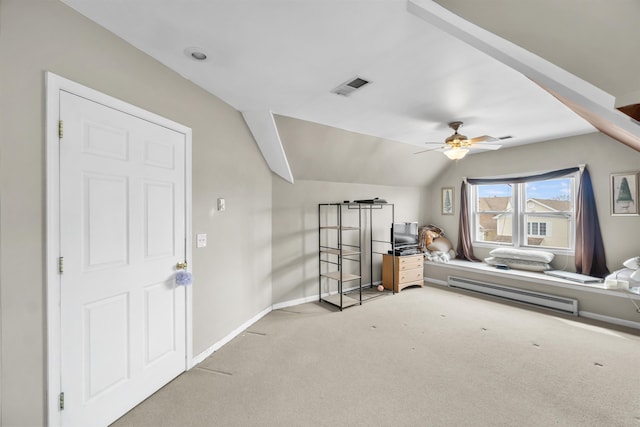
(341, 242)
(335, 300)
(340, 245)
(335, 275)
(345, 252)
(335, 227)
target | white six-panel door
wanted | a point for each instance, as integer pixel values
(122, 232)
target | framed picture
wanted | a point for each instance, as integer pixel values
(624, 194)
(447, 201)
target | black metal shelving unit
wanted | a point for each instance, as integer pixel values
(336, 249)
(385, 243)
(343, 248)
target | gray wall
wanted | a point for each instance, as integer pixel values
(264, 214)
(229, 289)
(601, 154)
(323, 153)
(295, 228)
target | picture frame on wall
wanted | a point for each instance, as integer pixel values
(624, 194)
(447, 201)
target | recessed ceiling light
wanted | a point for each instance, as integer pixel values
(196, 53)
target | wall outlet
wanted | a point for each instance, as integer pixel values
(201, 240)
(221, 205)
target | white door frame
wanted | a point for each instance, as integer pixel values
(54, 85)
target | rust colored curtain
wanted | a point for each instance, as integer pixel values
(465, 249)
(589, 257)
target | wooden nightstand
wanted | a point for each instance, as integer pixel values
(408, 271)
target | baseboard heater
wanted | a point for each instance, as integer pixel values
(565, 305)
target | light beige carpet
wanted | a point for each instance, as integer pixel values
(425, 357)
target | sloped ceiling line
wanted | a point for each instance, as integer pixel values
(265, 132)
(591, 103)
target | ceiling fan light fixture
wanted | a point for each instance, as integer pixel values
(456, 153)
(457, 146)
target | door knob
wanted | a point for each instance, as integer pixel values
(181, 266)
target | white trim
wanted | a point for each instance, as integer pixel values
(218, 345)
(54, 84)
(436, 282)
(188, 198)
(609, 319)
(540, 278)
(293, 302)
(52, 286)
(586, 314)
(304, 300)
(265, 132)
(533, 277)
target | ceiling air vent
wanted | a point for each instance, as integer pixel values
(348, 87)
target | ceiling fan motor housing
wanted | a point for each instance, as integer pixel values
(457, 140)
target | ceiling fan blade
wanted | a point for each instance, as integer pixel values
(440, 147)
(487, 146)
(483, 138)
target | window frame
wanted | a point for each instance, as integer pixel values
(519, 215)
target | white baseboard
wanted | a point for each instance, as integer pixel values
(293, 302)
(313, 298)
(586, 314)
(609, 319)
(436, 281)
(218, 345)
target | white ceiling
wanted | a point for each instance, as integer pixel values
(594, 40)
(285, 56)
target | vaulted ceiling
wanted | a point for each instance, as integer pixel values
(594, 40)
(277, 61)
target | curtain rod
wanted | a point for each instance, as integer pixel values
(537, 176)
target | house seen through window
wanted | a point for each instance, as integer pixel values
(529, 214)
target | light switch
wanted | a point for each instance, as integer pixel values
(201, 240)
(221, 204)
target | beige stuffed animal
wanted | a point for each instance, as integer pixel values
(430, 236)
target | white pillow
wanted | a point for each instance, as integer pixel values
(524, 254)
(632, 263)
(519, 264)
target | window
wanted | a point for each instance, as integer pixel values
(494, 211)
(538, 229)
(528, 214)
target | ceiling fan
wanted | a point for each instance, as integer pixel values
(457, 146)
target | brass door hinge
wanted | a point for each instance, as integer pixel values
(60, 129)
(61, 264)
(61, 401)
